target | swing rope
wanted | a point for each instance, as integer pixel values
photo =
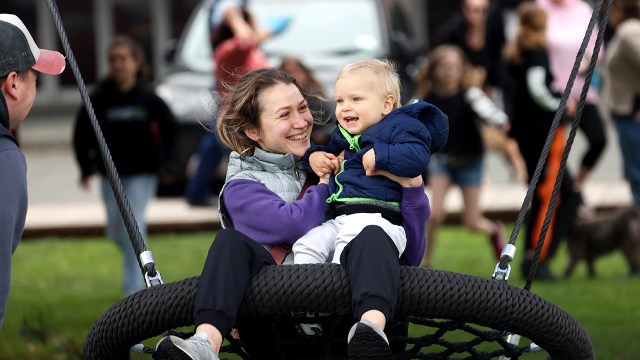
(145, 258)
(502, 268)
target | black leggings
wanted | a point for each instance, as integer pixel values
(592, 126)
(370, 260)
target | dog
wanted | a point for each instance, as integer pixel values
(598, 235)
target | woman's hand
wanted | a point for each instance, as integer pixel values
(403, 181)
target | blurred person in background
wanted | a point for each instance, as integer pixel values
(319, 105)
(479, 32)
(536, 103)
(235, 40)
(139, 131)
(623, 90)
(566, 25)
(452, 84)
(21, 61)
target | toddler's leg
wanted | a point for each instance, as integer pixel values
(316, 245)
(354, 225)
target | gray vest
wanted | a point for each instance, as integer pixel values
(278, 173)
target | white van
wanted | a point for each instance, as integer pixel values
(324, 34)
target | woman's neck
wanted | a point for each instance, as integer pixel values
(446, 91)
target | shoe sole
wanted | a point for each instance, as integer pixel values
(367, 344)
(167, 350)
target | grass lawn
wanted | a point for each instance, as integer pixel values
(60, 286)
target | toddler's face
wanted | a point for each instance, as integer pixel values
(359, 105)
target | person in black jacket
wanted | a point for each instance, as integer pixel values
(139, 131)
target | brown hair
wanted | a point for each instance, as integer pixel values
(425, 79)
(531, 31)
(22, 75)
(313, 84)
(137, 52)
(243, 109)
(224, 31)
(629, 9)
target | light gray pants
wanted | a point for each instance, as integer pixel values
(326, 241)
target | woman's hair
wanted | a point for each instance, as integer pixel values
(383, 74)
(629, 9)
(224, 31)
(530, 33)
(425, 79)
(137, 52)
(312, 84)
(243, 109)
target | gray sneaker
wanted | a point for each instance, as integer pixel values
(366, 341)
(194, 348)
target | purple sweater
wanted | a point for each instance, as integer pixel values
(279, 222)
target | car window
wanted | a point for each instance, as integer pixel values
(327, 27)
(324, 34)
(195, 52)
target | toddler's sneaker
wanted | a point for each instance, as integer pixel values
(367, 341)
(194, 348)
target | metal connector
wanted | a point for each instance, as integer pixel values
(146, 258)
(501, 274)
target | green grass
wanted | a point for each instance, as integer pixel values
(60, 286)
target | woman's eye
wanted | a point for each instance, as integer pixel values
(339, 101)
(284, 115)
(357, 98)
(304, 107)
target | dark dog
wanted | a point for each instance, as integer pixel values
(602, 234)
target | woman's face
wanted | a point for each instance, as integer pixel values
(448, 71)
(285, 121)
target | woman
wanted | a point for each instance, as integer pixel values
(139, 130)
(236, 50)
(448, 82)
(624, 90)
(268, 126)
(535, 106)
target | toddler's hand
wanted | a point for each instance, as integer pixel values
(323, 163)
(369, 161)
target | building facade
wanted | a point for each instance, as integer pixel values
(89, 26)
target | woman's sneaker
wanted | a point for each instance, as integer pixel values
(367, 341)
(175, 348)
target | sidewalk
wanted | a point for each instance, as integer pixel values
(498, 201)
(57, 206)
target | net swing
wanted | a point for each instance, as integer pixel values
(492, 314)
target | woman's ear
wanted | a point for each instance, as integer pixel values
(253, 133)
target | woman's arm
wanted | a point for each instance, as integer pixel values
(485, 108)
(415, 212)
(263, 216)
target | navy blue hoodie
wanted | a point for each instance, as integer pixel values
(403, 142)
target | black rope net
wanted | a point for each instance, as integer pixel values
(455, 315)
(435, 300)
